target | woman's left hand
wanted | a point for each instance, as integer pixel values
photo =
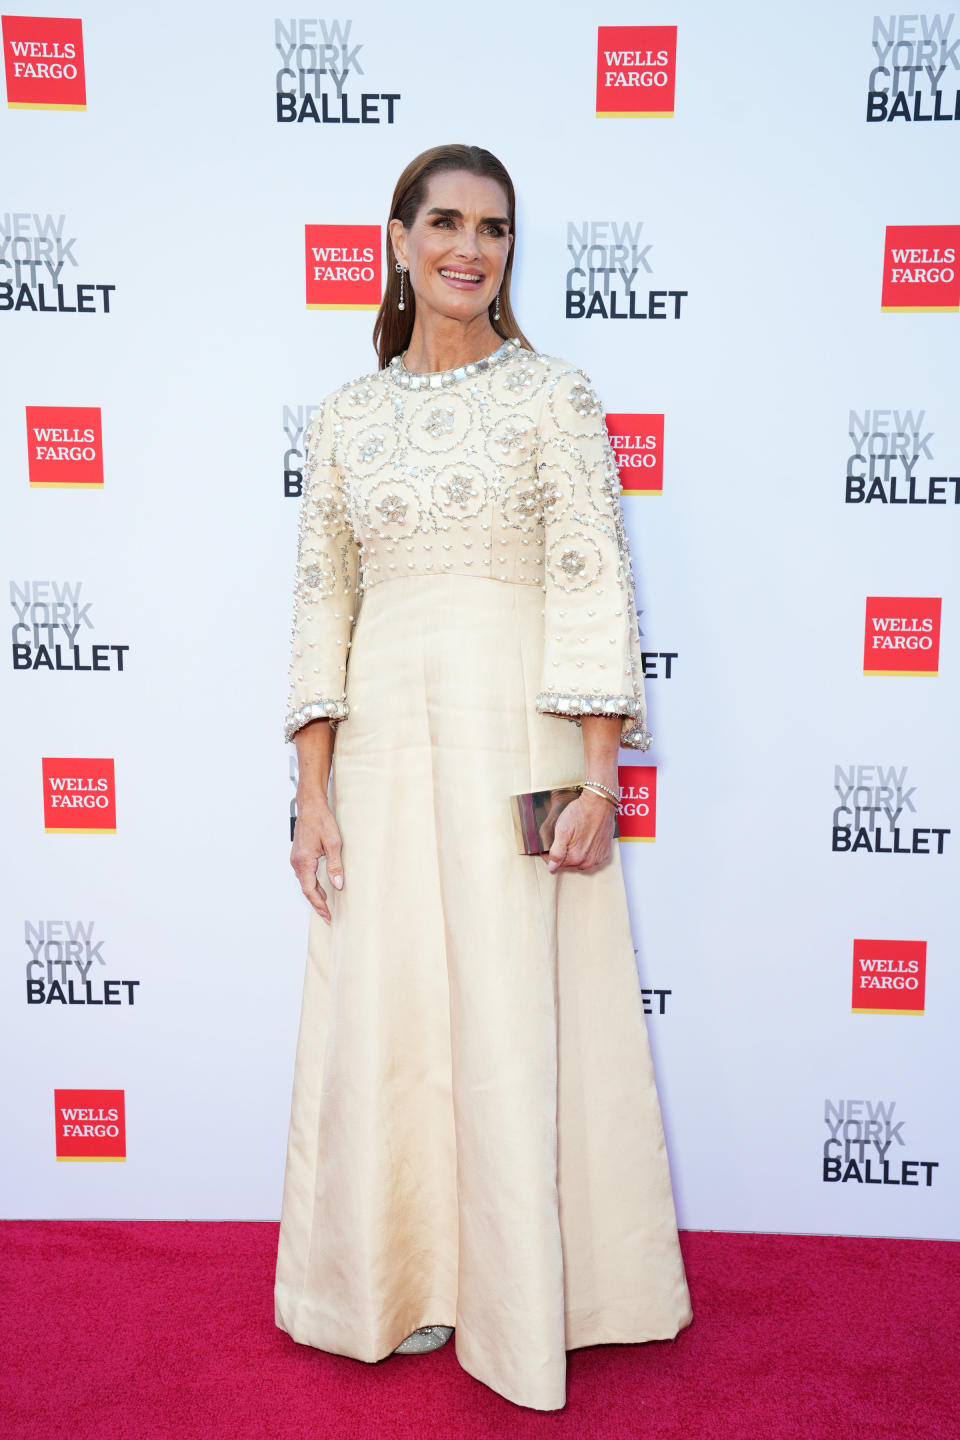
(584, 834)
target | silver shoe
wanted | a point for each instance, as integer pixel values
(428, 1337)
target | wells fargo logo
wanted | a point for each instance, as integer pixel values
(65, 447)
(638, 802)
(636, 71)
(920, 271)
(637, 442)
(90, 1125)
(901, 635)
(79, 797)
(43, 60)
(343, 267)
(889, 977)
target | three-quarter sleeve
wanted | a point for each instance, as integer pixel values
(326, 588)
(592, 663)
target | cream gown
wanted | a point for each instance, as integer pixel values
(475, 1136)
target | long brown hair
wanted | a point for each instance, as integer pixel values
(393, 327)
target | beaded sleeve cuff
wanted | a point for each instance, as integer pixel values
(333, 710)
(634, 737)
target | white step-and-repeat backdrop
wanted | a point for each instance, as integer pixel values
(743, 222)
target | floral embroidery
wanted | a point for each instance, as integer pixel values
(439, 420)
(574, 560)
(518, 379)
(328, 514)
(583, 400)
(511, 435)
(458, 489)
(370, 449)
(392, 509)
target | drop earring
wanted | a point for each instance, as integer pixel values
(496, 307)
(401, 271)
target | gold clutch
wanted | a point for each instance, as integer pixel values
(536, 813)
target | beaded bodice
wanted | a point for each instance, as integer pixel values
(500, 469)
(443, 478)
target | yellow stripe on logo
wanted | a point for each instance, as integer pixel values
(93, 830)
(31, 105)
(91, 1157)
(855, 1011)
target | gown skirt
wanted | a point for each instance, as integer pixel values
(475, 1135)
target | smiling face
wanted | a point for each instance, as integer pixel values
(457, 246)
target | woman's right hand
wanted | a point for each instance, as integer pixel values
(316, 836)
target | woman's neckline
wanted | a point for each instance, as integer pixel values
(441, 379)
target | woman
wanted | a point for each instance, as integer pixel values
(475, 1137)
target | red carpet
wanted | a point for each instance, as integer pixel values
(123, 1330)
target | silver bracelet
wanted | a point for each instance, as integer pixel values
(599, 788)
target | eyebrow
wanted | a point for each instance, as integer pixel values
(457, 215)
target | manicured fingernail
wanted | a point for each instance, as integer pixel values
(338, 881)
